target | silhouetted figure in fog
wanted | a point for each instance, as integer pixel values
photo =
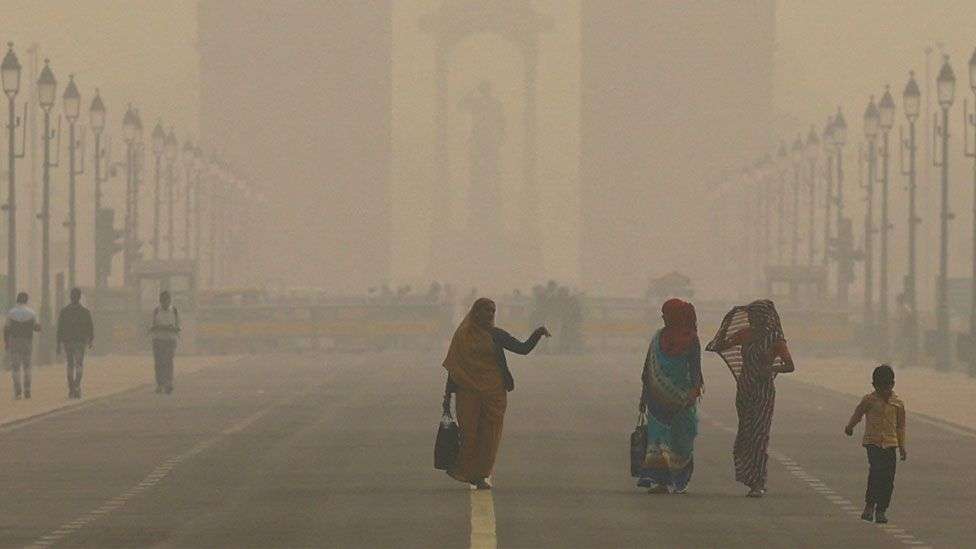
(18, 338)
(478, 374)
(76, 332)
(165, 331)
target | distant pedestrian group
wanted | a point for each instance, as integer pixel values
(76, 335)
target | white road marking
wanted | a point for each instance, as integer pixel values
(153, 478)
(482, 520)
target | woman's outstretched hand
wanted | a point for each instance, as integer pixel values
(541, 330)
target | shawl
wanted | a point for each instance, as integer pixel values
(667, 380)
(752, 356)
(680, 327)
(471, 360)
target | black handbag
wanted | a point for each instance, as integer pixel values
(638, 444)
(448, 441)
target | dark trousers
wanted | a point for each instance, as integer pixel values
(881, 476)
(163, 351)
(74, 354)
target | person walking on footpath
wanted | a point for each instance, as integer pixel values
(76, 332)
(164, 330)
(884, 430)
(752, 344)
(478, 375)
(18, 339)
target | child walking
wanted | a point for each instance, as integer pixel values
(884, 429)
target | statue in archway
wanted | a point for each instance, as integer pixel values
(484, 146)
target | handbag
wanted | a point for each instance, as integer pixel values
(638, 444)
(448, 441)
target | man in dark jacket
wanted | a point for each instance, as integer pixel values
(76, 331)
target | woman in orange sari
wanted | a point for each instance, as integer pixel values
(478, 374)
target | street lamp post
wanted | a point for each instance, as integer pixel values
(158, 147)
(828, 144)
(871, 126)
(46, 91)
(812, 153)
(197, 195)
(839, 135)
(10, 75)
(188, 164)
(796, 155)
(970, 122)
(172, 148)
(96, 113)
(130, 129)
(911, 98)
(71, 101)
(782, 167)
(945, 87)
(886, 112)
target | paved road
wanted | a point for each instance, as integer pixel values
(335, 451)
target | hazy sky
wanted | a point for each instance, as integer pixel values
(830, 52)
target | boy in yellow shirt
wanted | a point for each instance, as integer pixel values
(884, 429)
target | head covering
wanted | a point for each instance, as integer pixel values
(762, 319)
(680, 327)
(471, 360)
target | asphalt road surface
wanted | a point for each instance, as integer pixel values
(336, 451)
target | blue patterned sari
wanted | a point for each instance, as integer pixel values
(672, 422)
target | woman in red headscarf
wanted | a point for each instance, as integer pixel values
(478, 374)
(672, 383)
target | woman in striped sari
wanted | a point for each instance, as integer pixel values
(672, 382)
(752, 344)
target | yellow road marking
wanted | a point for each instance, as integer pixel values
(482, 520)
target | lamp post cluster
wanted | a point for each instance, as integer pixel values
(824, 179)
(201, 176)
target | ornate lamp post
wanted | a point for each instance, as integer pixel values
(158, 147)
(828, 146)
(189, 162)
(96, 119)
(839, 135)
(812, 151)
(10, 75)
(970, 123)
(71, 101)
(872, 121)
(131, 128)
(911, 99)
(46, 93)
(782, 167)
(796, 155)
(172, 149)
(886, 113)
(946, 89)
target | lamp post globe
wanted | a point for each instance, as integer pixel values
(46, 87)
(96, 114)
(839, 130)
(886, 110)
(813, 144)
(129, 127)
(158, 139)
(911, 98)
(872, 120)
(71, 100)
(946, 84)
(10, 72)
